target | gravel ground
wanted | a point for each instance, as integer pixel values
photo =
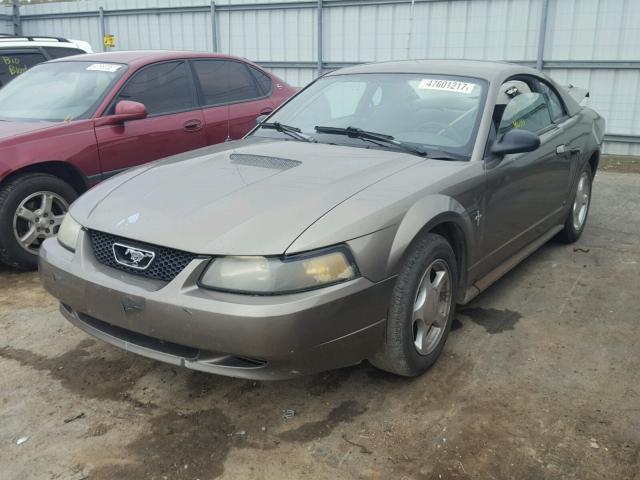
(540, 379)
(620, 164)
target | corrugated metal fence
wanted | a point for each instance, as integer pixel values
(590, 43)
(6, 25)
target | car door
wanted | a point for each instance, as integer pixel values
(231, 97)
(174, 122)
(572, 139)
(526, 192)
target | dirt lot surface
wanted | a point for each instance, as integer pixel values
(539, 380)
(620, 163)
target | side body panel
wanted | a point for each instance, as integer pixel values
(529, 194)
(141, 141)
(526, 193)
(243, 115)
(73, 143)
(216, 123)
(418, 198)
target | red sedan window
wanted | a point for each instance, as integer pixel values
(224, 81)
(162, 88)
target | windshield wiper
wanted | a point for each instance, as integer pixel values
(377, 137)
(294, 132)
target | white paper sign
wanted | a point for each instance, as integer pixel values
(446, 85)
(104, 67)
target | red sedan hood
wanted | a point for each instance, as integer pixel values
(9, 129)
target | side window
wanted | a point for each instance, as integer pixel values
(162, 88)
(527, 111)
(264, 80)
(225, 81)
(555, 104)
(13, 64)
(59, 52)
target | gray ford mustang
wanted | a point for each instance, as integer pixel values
(346, 226)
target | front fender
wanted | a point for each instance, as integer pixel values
(379, 255)
(5, 168)
(425, 215)
(380, 222)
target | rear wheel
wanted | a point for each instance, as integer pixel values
(577, 217)
(421, 309)
(32, 207)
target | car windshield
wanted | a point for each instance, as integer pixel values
(58, 91)
(435, 113)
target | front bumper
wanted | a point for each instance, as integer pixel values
(258, 337)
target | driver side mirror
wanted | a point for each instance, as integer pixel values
(516, 141)
(125, 110)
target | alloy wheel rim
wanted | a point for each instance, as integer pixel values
(431, 307)
(581, 202)
(38, 217)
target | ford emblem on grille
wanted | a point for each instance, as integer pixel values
(132, 257)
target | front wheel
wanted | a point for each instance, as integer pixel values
(577, 217)
(32, 207)
(421, 309)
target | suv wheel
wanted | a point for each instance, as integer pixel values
(31, 209)
(421, 309)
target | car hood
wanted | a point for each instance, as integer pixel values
(9, 129)
(250, 197)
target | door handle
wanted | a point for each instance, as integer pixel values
(266, 111)
(192, 125)
(563, 150)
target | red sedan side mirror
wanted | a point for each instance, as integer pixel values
(125, 110)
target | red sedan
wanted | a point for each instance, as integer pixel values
(69, 123)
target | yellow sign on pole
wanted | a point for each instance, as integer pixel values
(109, 40)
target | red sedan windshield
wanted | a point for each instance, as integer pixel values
(58, 91)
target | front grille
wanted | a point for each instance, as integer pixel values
(167, 263)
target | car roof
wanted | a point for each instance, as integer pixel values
(488, 70)
(24, 42)
(141, 57)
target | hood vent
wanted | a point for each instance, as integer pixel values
(273, 163)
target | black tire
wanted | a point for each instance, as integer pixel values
(571, 233)
(12, 194)
(398, 354)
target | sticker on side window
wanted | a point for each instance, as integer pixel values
(104, 67)
(446, 85)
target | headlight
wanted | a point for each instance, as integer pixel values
(68, 232)
(274, 275)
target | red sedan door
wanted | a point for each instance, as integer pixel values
(233, 94)
(174, 124)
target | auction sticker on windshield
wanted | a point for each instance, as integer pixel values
(104, 67)
(446, 85)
